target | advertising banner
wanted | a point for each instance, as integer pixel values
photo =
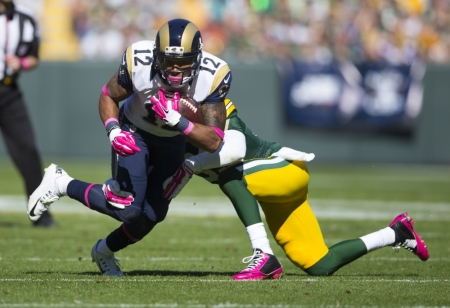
(371, 97)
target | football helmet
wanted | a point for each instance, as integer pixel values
(178, 52)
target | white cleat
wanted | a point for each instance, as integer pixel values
(46, 193)
(108, 265)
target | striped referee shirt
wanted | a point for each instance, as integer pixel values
(19, 35)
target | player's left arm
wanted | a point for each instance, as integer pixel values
(209, 136)
(211, 133)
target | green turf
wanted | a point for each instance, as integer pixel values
(190, 261)
(352, 182)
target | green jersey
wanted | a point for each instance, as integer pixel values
(255, 146)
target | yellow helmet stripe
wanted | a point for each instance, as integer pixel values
(188, 37)
(164, 37)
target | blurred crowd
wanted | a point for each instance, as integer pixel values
(395, 31)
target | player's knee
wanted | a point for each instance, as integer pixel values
(323, 267)
(309, 263)
(130, 215)
(317, 270)
(139, 229)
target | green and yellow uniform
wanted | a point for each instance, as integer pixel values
(280, 187)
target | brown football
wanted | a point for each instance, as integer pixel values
(190, 109)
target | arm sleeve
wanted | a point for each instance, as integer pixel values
(232, 149)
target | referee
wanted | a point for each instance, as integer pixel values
(19, 43)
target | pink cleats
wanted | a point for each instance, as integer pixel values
(262, 266)
(406, 237)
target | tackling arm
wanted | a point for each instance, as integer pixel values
(231, 150)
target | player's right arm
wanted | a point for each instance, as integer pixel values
(109, 100)
(118, 88)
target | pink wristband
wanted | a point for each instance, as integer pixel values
(105, 90)
(24, 63)
(188, 129)
(219, 132)
(111, 120)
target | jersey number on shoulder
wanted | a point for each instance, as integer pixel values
(208, 61)
(147, 59)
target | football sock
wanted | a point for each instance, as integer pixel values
(338, 255)
(242, 199)
(61, 184)
(103, 248)
(382, 238)
(91, 196)
(258, 237)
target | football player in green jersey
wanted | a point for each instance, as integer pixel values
(250, 170)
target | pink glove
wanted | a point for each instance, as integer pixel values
(116, 197)
(165, 110)
(173, 185)
(123, 142)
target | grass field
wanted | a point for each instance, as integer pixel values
(188, 260)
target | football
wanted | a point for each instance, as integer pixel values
(190, 109)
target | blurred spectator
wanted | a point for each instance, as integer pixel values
(394, 31)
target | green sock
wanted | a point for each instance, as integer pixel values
(233, 185)
(338, 255)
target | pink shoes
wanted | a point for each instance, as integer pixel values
(406, 237)
(262, 266)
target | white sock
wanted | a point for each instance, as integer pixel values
(104, 249)
(382, 238)
(258, 237)
(61, 184)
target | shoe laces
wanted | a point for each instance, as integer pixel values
(109, 263)
(408, 244)
(49, 198)
(408, 239)
(254, 259)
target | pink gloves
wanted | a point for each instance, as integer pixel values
(116, 197)
(123, 142)
(165, 109)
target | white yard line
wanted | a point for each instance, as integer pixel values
(221, 206)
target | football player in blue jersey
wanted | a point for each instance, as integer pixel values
(147, 134)
(250, 170)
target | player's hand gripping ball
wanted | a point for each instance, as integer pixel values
(169, 107)
(190, 109)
